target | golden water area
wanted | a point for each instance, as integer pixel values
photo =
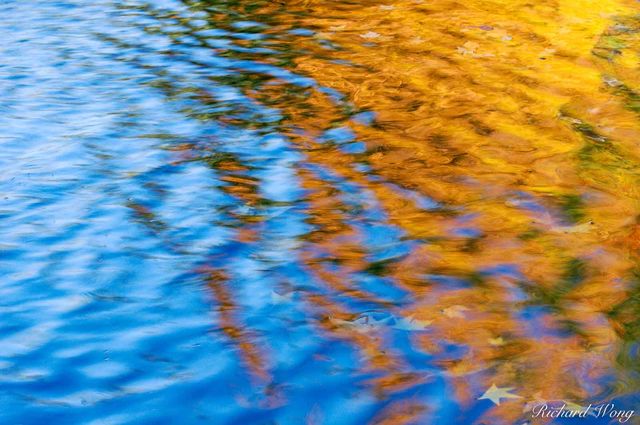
(519, 121)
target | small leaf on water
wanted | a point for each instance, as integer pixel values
(496, 393)
(370, 35)
(579, 228)
(468, 48)
(455, 311)
(281, 298)
(546, 53)
(496, 342)
(411, 324)
(363, 324)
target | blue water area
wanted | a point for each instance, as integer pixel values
(113, 116)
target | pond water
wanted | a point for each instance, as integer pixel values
(318, 212)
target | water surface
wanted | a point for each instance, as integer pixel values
(317, 212)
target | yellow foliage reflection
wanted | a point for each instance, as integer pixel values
(505, 144)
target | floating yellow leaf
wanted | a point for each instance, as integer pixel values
(496, 342)
(455, 311)
(370, 35)
(496, 393)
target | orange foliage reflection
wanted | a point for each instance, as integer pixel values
(519, 122)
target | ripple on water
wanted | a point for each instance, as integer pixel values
(241, 212)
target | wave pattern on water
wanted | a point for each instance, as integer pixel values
(316, 212)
